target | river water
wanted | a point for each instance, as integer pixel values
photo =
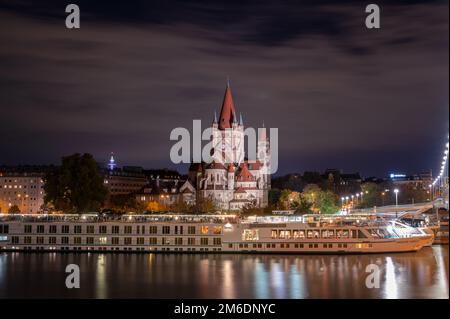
(423, 274)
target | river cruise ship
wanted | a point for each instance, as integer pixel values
(208, 233)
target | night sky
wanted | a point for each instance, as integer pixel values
(342, 96)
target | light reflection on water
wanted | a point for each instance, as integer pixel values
(407, 275)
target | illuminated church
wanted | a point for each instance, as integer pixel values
(231, 180)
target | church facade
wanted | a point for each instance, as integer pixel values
(231, 180)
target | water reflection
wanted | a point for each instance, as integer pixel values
(408, 275)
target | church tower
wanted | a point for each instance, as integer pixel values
(228, 133)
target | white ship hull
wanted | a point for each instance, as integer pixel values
(213, 235)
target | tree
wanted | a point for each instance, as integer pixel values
(283, 201)
(14, 209)
(302, 206)
(205, 205)
(274, 196)
(155, 206)
(372, 195)
(75, 186)
(182, 207)
(328, 202)
(125, 203)
(311, 194)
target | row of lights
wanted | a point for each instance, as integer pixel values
(346, 198)
(444, 164)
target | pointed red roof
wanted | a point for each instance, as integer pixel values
(231, 168)
(245, 175)
(227, 113)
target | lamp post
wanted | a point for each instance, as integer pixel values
(396, 202)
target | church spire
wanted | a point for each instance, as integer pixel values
(215, 117)
(241, 122)
(227, 113)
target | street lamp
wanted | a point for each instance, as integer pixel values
(396, 202)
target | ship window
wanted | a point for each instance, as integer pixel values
(40, 229)
(90, 229)
(204, 241)
(28, 229)
(52, 240)
(90, 240)
(217, 241)
(285, 234)
(128, 229)
(178, 240)
(217, 230)
(345, 233)
(250, 234)
(65, 240)
(295, 234)
(274, 234)
(310, 234)
(166, 229)
(103, 240)
(152, 229)
(191, 241)
(127, 241)
(77, 229)
(204, 230)
(191, 230)
(15, 240)
(316, 234)
(324, 234)
(153, 240)
(27, 240)
(77, 240)
(40, 240)
(140, 241)
(102, 229)
(115, 229)
(331, 233)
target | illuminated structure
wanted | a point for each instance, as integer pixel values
(112, 163)
(22, 188)
(230, 180)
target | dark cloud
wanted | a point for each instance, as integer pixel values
(341, 95)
